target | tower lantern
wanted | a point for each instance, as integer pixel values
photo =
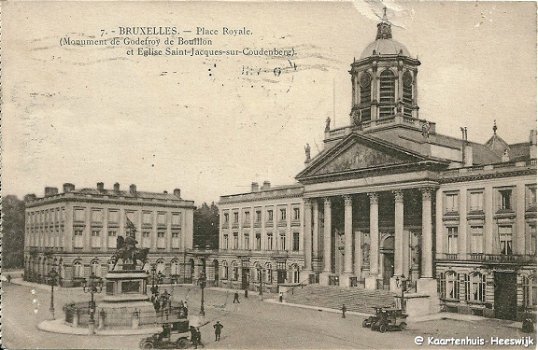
(384, 79)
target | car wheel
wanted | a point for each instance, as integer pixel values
(403, 325)
(147, 345)
(365, 323)
(182, 343)
(383, 328)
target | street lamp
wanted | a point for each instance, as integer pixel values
(92, 285)
(202, 281)
(53, 278)
(154, 287)
(403, 282)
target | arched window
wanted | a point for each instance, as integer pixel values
(160, 266)
(235, 271)
(174, 267)
(95, 268)
(78, 271)
(269, 273)
(365, 85)
(387, 91)
(407, 92)
(475, 287)
(296, 273)
(452, 285)
(224, 270)
(529, 292)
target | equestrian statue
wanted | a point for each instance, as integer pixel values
(127, 251)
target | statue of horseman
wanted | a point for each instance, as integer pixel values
(126, 248)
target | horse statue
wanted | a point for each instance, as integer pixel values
(127, 251)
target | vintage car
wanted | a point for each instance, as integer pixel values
(372, 319)
(390, 319)
(167, 338)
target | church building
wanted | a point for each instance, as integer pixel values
(389, 203)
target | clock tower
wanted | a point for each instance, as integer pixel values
(384, 80)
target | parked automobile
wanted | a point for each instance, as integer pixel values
(390, 319)
(166, 339)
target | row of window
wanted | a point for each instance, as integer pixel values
(52, 215)
(502, 240)
(258, 242)
(97, 215)
(258, 216)
(474, 286)
(504, 199)
(95, 241)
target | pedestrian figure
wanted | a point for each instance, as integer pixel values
(8, 278)
(218, 328)
(199, 337)
(194, 337)
(236, 298)
(246, 293)
(344, 310)
(280, 296)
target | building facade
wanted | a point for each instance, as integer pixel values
(76, 231)
(389, 203)
(261, 238)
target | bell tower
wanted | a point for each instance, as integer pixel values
(383, 79)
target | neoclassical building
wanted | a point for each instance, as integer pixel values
(76, 231)
(390, 202)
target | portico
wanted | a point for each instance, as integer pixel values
(359, 248)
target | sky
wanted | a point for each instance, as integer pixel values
(212, 125)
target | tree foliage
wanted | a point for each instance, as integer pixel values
(12, 232)
(206, 226)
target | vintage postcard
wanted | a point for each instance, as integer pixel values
(268, 175)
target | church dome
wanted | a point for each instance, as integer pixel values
(385, 47)
(384, 44)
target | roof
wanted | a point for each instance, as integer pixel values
(127, 194)
(520, 151)
(385, 47)
(497, 144)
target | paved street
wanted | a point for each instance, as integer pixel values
(250, 324)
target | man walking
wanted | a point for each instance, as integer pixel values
(344, 310)
(218, 328)
(236, 298)
(194, 337)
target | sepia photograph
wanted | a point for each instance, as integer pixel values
(268, 174)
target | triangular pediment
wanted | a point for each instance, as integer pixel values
(359, 152)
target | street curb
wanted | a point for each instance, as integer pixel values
(58, 326)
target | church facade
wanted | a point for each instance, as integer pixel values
(389, 203)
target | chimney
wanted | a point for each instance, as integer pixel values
(468, 155)
(177, 192)
(266, 185)
(532, 145)
(30, 197)
(68, 187)
(132, 189)
(165, 192)
(100, 186)
(254, 187)
(51, 191)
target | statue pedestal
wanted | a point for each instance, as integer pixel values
(125, 303)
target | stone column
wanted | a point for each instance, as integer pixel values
(427, 239)
(371, 281)
(398, 232)
(324, 277)
(358, 255)
(307, 238)
(348, 242)
(315, 229)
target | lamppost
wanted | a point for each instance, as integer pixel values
(401, 281)
(53, 278)
(202, 281)
(92, 285)
(154, 287)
